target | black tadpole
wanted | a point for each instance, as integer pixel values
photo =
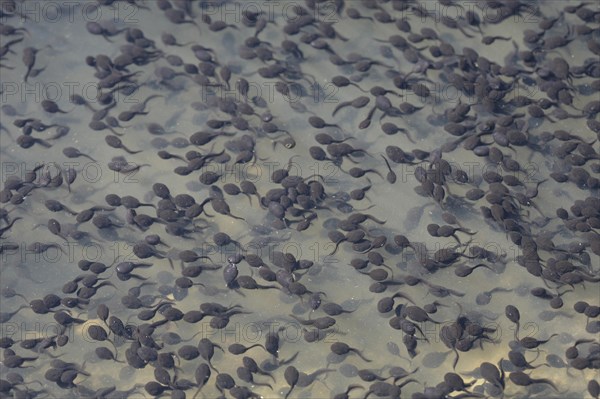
(340, 348)
(72, 152)
(51, 107)
(291, 376)
(512, 314)
(220, 206)
(115, 142)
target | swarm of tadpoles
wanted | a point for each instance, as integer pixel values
(186, 246)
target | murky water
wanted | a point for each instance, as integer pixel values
(279, 86)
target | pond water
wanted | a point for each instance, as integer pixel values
(401, 192)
